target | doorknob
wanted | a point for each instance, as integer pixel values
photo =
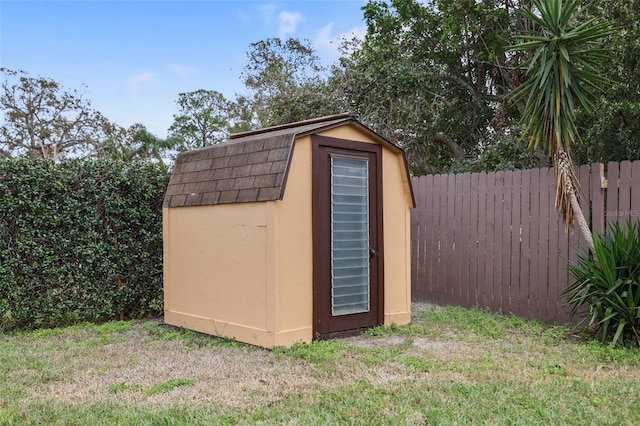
(372, 252)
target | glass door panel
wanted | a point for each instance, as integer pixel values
(349, 236)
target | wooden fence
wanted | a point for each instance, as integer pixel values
(495, 240)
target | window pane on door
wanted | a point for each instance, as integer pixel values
(349, 235)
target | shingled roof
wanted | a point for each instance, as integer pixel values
(249, 167)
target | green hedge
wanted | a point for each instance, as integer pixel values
(70, 232)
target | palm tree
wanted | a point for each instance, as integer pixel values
(562, 77)
(136, 144)
(147, 146)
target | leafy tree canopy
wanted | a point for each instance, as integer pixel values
(612, 131)
(42, 120)
(432, 76)
(286, 83)
(202, 119)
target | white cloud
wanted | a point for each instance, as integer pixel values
(288, 22)
(134, 83)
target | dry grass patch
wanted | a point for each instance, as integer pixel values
(125, 369)
(224, 376)
(449, 366)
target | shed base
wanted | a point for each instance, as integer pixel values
(397, 318)
(241, 333)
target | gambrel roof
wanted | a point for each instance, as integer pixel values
(248, 167)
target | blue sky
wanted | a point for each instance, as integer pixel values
(134, 57)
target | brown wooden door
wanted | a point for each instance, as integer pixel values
(348, 262)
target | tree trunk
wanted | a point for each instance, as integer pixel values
(567, 194)
(582, 223)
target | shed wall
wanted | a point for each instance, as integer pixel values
(397, 242)
(217, 278)
(294, 252)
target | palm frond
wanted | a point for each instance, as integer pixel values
(561, 78)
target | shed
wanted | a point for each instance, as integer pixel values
(289, 233)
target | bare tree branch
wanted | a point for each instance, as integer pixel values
(456, 150)
(43, 120)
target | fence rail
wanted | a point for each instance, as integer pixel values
(495, 240)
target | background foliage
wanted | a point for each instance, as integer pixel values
(430, 76)
(69, 230)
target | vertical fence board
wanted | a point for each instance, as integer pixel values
(459, 236)
(416, 256)
(543, 244)
(445, 241)
(495, 239)
(482, 228)
(425, 232)
(474, 223)
(584, 174)
(464, 240)
(563, 273)
(489, 243)
(555, 227)
(523, 284)
(534, 234)
(505, 245)
(442, 240)
(515, 244)
(437, 268)
(451, 250)
(635, 191)
(564, 250)
(624, 193)
(449, 253)
(597, 199)
(574, 235)
(611, 214)
(430, 230)
(498, 212)
(584, 177)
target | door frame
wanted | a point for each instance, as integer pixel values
(322, 327)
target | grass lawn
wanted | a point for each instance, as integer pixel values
(450, 366)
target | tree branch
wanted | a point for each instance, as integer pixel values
(5, 153)
(456, 149)
(477, 97)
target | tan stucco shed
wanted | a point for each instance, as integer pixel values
(289, 233)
